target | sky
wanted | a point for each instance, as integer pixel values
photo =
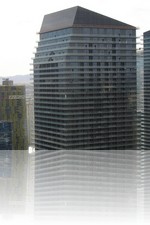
(20, 22)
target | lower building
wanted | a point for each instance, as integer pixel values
(13, 109)
(98, 184)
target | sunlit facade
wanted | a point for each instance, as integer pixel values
(13, 109)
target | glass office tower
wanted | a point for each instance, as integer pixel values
(146, 129)
(85, 82)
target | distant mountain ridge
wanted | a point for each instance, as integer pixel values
(18, 79)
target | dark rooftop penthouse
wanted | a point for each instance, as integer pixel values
(79, 17)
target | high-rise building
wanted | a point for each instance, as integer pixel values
(13, 109)
(85, 83)
(146, 117)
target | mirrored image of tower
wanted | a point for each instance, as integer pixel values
(89, 184)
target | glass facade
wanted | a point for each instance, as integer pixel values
(5, 135)
(85, 89)
(146, 129)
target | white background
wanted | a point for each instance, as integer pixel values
(21, 20)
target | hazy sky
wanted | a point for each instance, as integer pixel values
(21, 20)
